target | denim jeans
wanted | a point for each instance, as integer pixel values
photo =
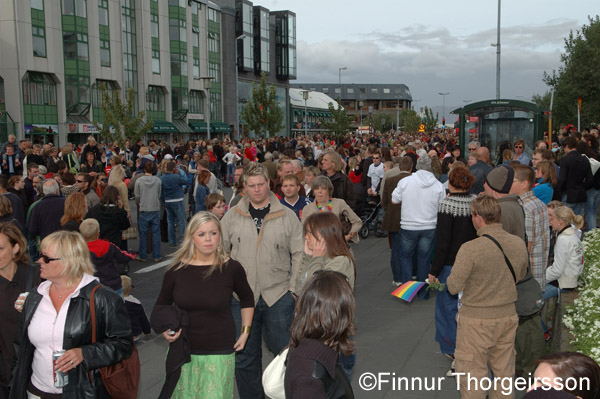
(591, 208)
(149, 221)
(576, 207)
(271, 323)
(230, 173)
(446, 307)
(175, 216)
(419, 242)
(551, 291)
(395, 259)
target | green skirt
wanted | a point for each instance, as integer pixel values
(207, 377)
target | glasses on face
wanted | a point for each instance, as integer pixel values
(104, 180)
(472, 149)
(518, 146)
(80, 181)
(375, 157)
(48, 259)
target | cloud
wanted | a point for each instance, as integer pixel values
(430, 60)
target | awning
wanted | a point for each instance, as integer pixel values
(163, 127)
(198, 126)
(219, 127)
(182, 127)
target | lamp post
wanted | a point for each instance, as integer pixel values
(206, 83)
(497, 45)
(237, 91)
(340, 78)
(398, 114)
(305, 95)
(444, 103)
(418, 108)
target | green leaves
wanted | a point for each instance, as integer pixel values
(339, 123)
(119, 122)
(262, 113)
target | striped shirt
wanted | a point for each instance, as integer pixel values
(537, 230)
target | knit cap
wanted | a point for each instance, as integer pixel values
(500, 179)
(424, 163)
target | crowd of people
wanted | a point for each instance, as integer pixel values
(276, 262)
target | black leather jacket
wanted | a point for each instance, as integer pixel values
(114, 342)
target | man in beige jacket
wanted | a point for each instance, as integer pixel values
(487, 318)
(266, 238)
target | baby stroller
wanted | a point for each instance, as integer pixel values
(369, 219)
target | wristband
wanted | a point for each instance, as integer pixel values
(246, 329)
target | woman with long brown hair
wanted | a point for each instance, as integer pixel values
(75, 210)
(322, 330)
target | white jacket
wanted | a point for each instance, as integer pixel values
(420, 195)
(568, 260)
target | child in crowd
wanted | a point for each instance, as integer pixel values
(310, 172)
(545, 176)
(139, 320)
(290, 186)
(104, 255)
(231, 158)
(215, 203)
(388, 165)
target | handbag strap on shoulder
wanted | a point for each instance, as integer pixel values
(510, 267)
(93, 311)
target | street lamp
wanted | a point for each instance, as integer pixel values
(305, 95)
(418, 108)
(206, 83)
(340, 78)
(444, 103)
(237, 92)
(497, 45)
(398, 114)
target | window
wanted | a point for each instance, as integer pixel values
(39, 41)
(247, 16)
(39, 89)
(178, 64)
(154, 25)
(325, 89)
(177, 29)
(155, 99)
(180, 3)
(196, 68)
(155, 61)
(214, 70)
(350, 90)
(291, 30)
(68, 8)
(337, 90)
(386, 91)
(105, 53)
(374, 91)
(179, 98)
(248, 49)
(196, 102)
(37, 4)
(214, 15)
(103, 12)
(80, 8)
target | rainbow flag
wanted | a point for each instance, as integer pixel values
(408, 290)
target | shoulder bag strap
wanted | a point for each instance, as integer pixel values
(512, 271)
(93, 311)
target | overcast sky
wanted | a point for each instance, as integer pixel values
(434, 46)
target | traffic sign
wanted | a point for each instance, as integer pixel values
(421, 128)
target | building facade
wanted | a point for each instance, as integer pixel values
(56, 60)
(363, 100)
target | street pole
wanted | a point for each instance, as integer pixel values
(498, 54)
(206, 82)
(398, 115)
(550, 120)
(305, 95)
(340, 78)
(237, 91)
(444, 103)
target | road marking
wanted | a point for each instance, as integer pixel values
(155, 267)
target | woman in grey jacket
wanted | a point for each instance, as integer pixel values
(568, 252)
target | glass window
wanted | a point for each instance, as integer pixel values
(82, 51)
(155, 65)
(37, 4)
(386, 91)
(337, 90)
(374, 91)
(264, 56)
(68, 8)
(247, 18)
(175, 65)
(154, 25)
(80, 9)
(350, 90)
(292, 30)
(184, 66)
(69, 45)
(39, 46)
(264, 24)
(325, 89)
(105, 57)
(103, 16)
(196, 102)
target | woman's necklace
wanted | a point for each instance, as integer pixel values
(329, 206)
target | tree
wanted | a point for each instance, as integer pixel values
(119, 122)
(578, 76)
(262, 113)
(429, 120)
(409, 120)
(383, 122)
(339, 124)
(544, 102)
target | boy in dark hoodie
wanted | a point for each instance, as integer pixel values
(104, 255)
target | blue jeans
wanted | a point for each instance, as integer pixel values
(175, 216)
(419, 242)
(230, 173)
(551, 291)
(271, 323)
(395, 259)
(576, 207)
(591, 208)
(446, 307)
(149, 221)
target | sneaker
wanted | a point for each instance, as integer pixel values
(396, 283)
(157, 259)
(450, 373)
(449, 356)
